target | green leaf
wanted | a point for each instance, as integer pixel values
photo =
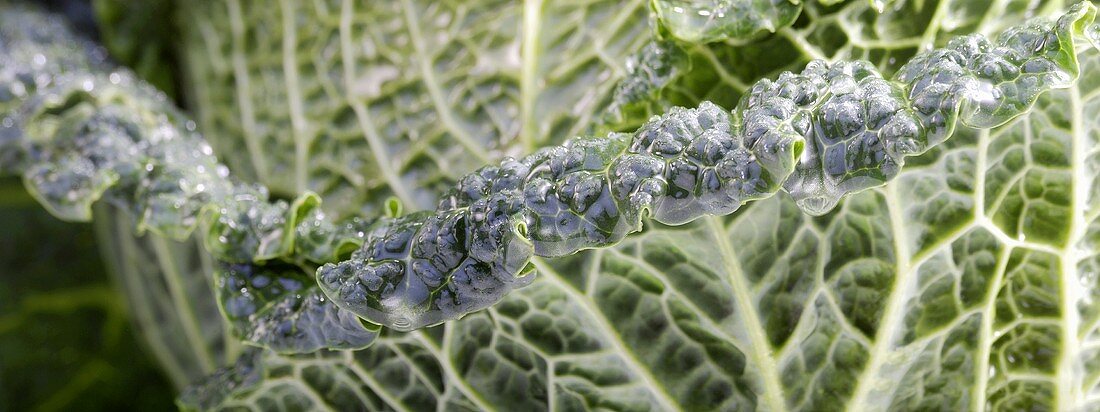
(831, 130)
(722, 72)
(705, 21)
(337, 380)
(902, 298)
(363, 101)
(169, 299)
(957, 285)
(906, 297)
(277, 306)
(169, 296)
(217, 387)
(95, 134)
(81, 131)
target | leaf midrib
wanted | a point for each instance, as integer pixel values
(610, 334)
(244, 91)
(761, 350)
(374, 140)
(1068, 389)
(427, 74)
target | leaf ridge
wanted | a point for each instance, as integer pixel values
(832, 130)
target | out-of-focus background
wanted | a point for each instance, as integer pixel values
(66, 341)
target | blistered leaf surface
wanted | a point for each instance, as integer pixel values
(80, 131)
(901, 298)
(831, 130)
(361, 101)
(279, 307)
(955, 287)
(704, 21)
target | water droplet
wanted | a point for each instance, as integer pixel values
(18, 89)
(816, 205)
(401, 323)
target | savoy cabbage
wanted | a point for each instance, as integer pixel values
(593, 204)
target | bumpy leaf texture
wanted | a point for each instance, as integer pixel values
(669, 73)
(80, 131)
(360, 101)
(909, 297)
(831, 130)
(705, 21)
(955, 295)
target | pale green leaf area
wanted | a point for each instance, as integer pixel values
(768, 206)
(360, 101)
(695, 21)
(903, 298)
